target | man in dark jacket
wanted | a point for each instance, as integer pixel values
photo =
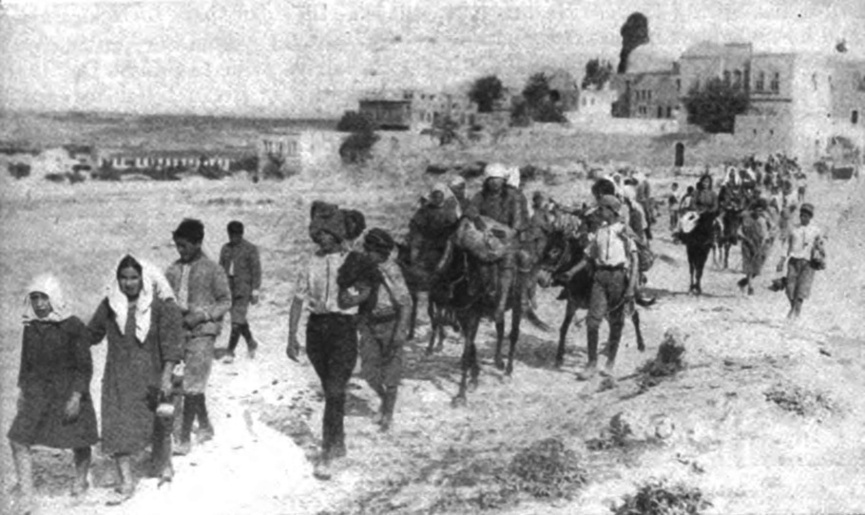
(240, 260)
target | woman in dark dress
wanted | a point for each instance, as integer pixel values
(144, 334)
(54, 405)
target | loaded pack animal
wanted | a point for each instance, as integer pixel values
(726, 226)
(700, 238)
(565, 249)
(468, 287)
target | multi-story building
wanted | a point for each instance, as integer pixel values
(417, 110)
(290, 152)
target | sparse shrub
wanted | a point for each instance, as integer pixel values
(667, 363)
(547, 469)
(655, 497)
(614, 436)
(55, 177)
(520, 116)
(19, 170)
(357, 148)
(800, 401)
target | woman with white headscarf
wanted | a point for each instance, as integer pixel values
(54, 405)
(144, 331)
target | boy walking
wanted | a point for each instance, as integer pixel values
(240, 260)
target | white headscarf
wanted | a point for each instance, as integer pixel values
(50, 286)
(497, 171)
(152, 281)
(514, 177)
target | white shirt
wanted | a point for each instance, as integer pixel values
(317, 285)
(802, 239)
(607, 246)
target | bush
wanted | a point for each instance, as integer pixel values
(352, 121)
(357, 148)
(547, 469)
(55, 177)
(714, 108)
(657, 498)
(19, 170)
(247, 163)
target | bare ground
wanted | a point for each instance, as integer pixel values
(765, 418)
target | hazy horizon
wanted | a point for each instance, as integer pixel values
(312, 58)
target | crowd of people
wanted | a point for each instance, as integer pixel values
(161, 328)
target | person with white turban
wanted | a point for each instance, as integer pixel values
(504, 204)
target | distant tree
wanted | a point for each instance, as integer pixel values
(357, 148)
(18, 170)
(353, 121)
(634, 32)
(597, 74)
(520, 113)
(541, 103)
(485, 91)
(714, 107)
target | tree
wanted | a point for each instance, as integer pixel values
(485, 91)
(353, 121)
(540, 104)
(714, 107)
(597, 74)
(634, 32)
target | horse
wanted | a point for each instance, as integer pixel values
(698, 243)
(563, 251)
(467, 286)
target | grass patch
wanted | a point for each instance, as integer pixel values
(656, 497)
(667, 363)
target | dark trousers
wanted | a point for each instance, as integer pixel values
(331, 346)
(238, 330)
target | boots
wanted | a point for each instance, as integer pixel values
(82, 467)
(190, 407)
(205, 428)
(233, 338)
(126, 489)
(591, 367)
(388, 404)
(506, 279)
(23, 458)
(160, 451)
(612, 349)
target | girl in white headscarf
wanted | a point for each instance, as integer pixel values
(145, 341)
(54, 404)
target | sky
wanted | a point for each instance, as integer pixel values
(313, 58)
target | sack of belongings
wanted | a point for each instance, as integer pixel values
(688, 221)
(818, 256)
(489, 245)
(345, 224)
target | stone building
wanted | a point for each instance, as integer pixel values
(416, 110)
(289, 152)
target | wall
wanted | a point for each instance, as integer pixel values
(609, 125)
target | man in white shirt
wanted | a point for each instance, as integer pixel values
(331, 338)
(802, 243)
(615, 262)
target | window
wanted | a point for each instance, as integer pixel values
(669, 112)
(678, 84)
(649, 95)
(814, 81)
(854, 117)
(755, 132)
(737, 78)
(771, 132)
(660, 112)
(775, 86)
(761, 82)
(727, 77)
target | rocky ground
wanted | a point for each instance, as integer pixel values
(765, 417)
